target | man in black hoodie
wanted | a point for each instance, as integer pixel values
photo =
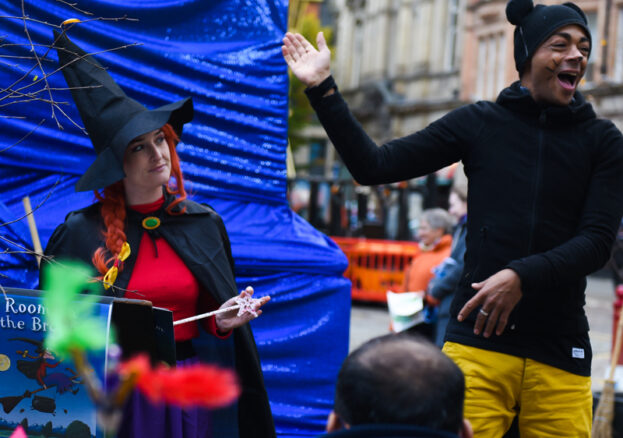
(544, 199)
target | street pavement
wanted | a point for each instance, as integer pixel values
(369, 321)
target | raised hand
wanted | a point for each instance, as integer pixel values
(311, 66)
(233, 319)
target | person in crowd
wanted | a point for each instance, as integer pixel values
(435, 240)
(149, 242)
(545, 200)
(398, 386)
(616, 261)
(447, 275)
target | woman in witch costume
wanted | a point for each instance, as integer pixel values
(143, 233)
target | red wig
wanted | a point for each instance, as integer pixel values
(113, 208)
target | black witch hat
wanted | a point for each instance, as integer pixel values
(111, 118)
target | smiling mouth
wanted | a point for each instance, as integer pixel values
(159, 168)
(568, 80)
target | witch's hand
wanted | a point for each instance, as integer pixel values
(250, 309)
(311, 66)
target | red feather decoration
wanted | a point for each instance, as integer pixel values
(197, 385)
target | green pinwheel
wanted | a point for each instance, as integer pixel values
(70, 313)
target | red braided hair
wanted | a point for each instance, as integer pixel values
(113, 208)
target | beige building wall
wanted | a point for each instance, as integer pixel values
(398, 61)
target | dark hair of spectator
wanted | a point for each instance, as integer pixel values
(400, 379)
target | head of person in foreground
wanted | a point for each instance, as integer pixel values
(400, 380)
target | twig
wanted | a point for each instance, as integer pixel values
(73, 6)
(27, 18)
(21, 140)
(52, 259)
(25, 249)
(47, 196)
(38, 61)
(10, 92)
(45, 76)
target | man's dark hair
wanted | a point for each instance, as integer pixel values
(400, 379)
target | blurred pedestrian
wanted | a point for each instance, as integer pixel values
(435, 239)
(447, 275)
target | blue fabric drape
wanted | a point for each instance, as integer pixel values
(226, 55)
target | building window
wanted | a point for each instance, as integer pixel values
(451, 35)
(589, 76)
(480, 75)
(618, 49)
(501, 63)
(356, 54)
(491, 58)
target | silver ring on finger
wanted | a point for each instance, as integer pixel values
(483, 313)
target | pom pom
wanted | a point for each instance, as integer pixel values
(516, 10)
(202, 385)
(578, 10)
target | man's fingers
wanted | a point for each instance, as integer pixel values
(303, 42)
(286, 55)
(293, 45)
(492, 319)
(289, 51)
(469, 307)
(302, 45)
(502, 322)
(321, 42)
(481, 319)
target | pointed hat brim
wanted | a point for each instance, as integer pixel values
(107, 168)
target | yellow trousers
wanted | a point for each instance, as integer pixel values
(548, 401)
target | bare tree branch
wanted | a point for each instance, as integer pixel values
(30, 61)
(24, 138)
(47, 196)
(38, 60)
(73, 6)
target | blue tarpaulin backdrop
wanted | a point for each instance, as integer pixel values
(226, 55)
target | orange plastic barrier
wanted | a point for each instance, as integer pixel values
(375, 266)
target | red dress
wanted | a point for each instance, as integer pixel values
(160, 276)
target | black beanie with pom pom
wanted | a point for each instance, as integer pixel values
(534, 24)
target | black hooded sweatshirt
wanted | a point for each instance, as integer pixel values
(545, 198)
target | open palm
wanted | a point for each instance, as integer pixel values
(309, 64)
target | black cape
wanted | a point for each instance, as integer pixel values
(199, 237)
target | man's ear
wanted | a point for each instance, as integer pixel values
(466, 430)
(334, 423)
